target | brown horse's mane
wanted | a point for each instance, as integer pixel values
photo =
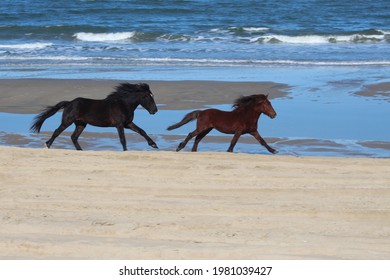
(123, 89)
(245, 101)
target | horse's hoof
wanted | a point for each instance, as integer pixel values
(181, 146)
(154, 146)
(275, 152)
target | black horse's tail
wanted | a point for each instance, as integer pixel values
(47, 113)
(187, 118)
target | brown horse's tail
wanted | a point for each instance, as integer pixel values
(187, 118)
(47, 113)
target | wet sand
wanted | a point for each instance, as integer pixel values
(31, 95)
(65, 204)
(381, 90)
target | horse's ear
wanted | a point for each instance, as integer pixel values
(266, 97)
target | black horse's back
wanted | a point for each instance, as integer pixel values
(47, 113)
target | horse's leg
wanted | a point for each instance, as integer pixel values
(57, 132)
(141, 132)
(234, 141)
(75, 136)
(199, 137)
(188, 138)
(262, 142)
(122, 138)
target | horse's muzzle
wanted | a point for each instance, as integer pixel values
(273, 116)
(154, 111)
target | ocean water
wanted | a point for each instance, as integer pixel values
(200, 33)
(327, 51)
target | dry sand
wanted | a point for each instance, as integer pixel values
(65, 204)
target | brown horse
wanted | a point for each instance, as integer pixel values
(116, 110)
(243, 119)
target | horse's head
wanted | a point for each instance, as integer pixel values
(135, 94)
(257, 102)
(265, 106)
(147, 98)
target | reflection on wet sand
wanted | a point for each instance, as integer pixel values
(107, 141)
(312, 121)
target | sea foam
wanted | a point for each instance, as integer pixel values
(26, 46)
(104, 37)
(318, 39)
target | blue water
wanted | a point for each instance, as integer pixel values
(288, 133)
(325, 50)
(115, 34)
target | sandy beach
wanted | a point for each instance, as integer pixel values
(65, 204)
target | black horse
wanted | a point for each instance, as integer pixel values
(116, 110)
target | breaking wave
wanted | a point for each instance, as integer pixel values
(242, 35)
(104, 37)
(321, 39)
(28, 46)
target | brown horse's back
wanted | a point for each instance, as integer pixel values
(224, 121)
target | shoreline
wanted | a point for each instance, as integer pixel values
(167, 205)
(109, 141)
(25, 98)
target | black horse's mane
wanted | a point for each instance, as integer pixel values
(244, 101)
(123, 89)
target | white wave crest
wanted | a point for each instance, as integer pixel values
(255, 29)
(26, 46)
(385, 32)
(47, 58)
(318, 39)
(104, 37)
